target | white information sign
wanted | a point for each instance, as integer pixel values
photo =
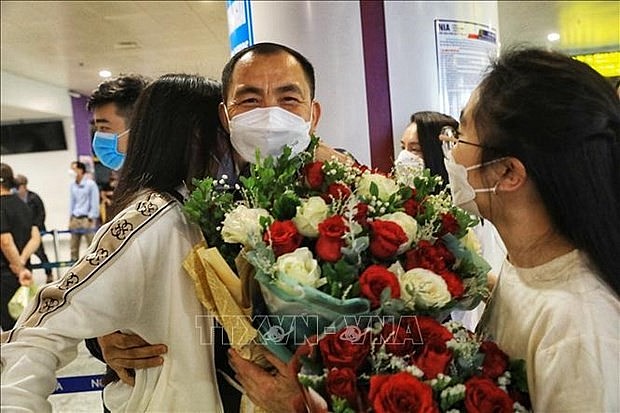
(464, 51)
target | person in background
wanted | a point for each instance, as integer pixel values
(131, 278)
(112, 104)
(420, 144)
(537, 155)
(34, 201)
(107, 197)
(83, 207)
(19, 239)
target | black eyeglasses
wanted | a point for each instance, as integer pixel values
(450, 137)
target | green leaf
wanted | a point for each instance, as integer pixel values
(340, 405)
(374, 190)
(340, 276)
(518, 374)
(285, 206)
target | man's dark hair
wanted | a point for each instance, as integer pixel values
(80, 165)
(6, 176)
(123, 91)
(266, 49)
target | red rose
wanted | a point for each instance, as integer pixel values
(342, 383)
(329, 249)
(336, 191)
(283, 237)
(400, 339)
(314, 175)
(433, 359)
(361, 214)
(412, 207)
(348, 348)
(454, 282)
(400, 392)
(432, 330)
(333, 227)
(449, 224)
(374, 280)
(495, 360)
(385, 238)
(363, 168)
(328, 246)
(434, 257)
(482, 395)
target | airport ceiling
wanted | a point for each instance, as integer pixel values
(66, 43)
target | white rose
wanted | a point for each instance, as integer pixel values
(397, 269)
(385, 186)
(310, 214)
(422, 289)
(301, 266)
(241, 224)
(407, 223)
(471, 242)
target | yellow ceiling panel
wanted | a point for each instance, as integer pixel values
(590, 25)
(607, 64)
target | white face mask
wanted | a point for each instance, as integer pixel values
(72, 174)
(268, 129)
(408, 158)
(463, 194)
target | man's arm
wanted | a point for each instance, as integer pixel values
(11, 253)
(93, 211)
(124, 353)
(39, 211)
(32, 245)
(276, 391)
(17, 266)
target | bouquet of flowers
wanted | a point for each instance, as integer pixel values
(413, 364)
(327, 241)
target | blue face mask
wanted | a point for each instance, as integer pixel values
(105, 146)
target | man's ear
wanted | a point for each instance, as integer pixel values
(513, 175)
(221, 110)
(316, 115)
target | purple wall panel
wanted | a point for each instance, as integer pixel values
(81, 122)
(377, 84)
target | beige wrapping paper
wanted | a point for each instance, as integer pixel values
(224, 295)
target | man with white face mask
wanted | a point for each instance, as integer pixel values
(268, 102)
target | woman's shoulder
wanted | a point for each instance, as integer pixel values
(143, 209)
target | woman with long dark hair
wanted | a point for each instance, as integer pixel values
(539, 156)
(421, 138)
(131, 278)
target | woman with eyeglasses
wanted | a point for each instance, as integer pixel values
(538, 154)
